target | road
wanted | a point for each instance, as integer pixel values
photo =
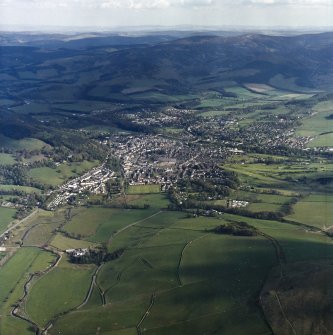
(18, 223)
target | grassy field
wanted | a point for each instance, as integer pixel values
(25, 189)
(314, 212)
(174, 259)
(319, 125)
(13, 276)
(263, 207)
(288, 84)
(194, 277)
(59, 175)
(63, 243)
(43, 227)
(143, 189)
(28, 144)
(212, 285)
(6, 159)
(325, 140)
(61, 288)
(6, 216)
(298, 244)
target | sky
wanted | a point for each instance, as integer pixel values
(124, 13)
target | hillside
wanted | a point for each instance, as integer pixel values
(183, 66)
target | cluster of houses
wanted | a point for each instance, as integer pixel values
(168, 117)
(153, 159)
(92, 182)
(236, 203)
(77, 253)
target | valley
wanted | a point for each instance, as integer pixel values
(166, 186)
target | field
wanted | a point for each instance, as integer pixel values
(63, 243)
(143, 189)
(29, 144)
(57, 176)
(70, 295)
(176, 276)
(6, 216)
(13, 276)
(319, 125)
(314, 211)
(6, 159)
(99, 224)
(162, 256)
(25, 189)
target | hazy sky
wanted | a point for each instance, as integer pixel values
(110, 13)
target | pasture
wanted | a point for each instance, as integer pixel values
(318, 125)
(314, 212)
(57, 176)
(144, 189)
(99, 224)
(63, 243)
(189, 273)
(6, 159)
(61, 288)
(28, 144)
(13, 276)
(6, 216)
(25, 189)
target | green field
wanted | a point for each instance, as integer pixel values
(57, 176)
(63, 243)
(58, 292)
(263, 207)
(6, 159)
(6, 216)
(43, 227)
(13, 276)
(99, 224)
(325, 140)
(143, 189)
(25, 189)
(314, 212)
(28, 144)
(319, 125)
(174, 259)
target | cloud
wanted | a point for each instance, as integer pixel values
(159, 4)
(127, 4)
(151, 4)
(288, 2)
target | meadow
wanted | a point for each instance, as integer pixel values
(6, 216)
(315, 211)
(14, 274)
(6, 159)
(318, 125)
(174, 261)
(143, 189)
(66, 277)
(25, 189)
(29, 144)
(57, 176)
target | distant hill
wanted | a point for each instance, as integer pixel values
(114, 68)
